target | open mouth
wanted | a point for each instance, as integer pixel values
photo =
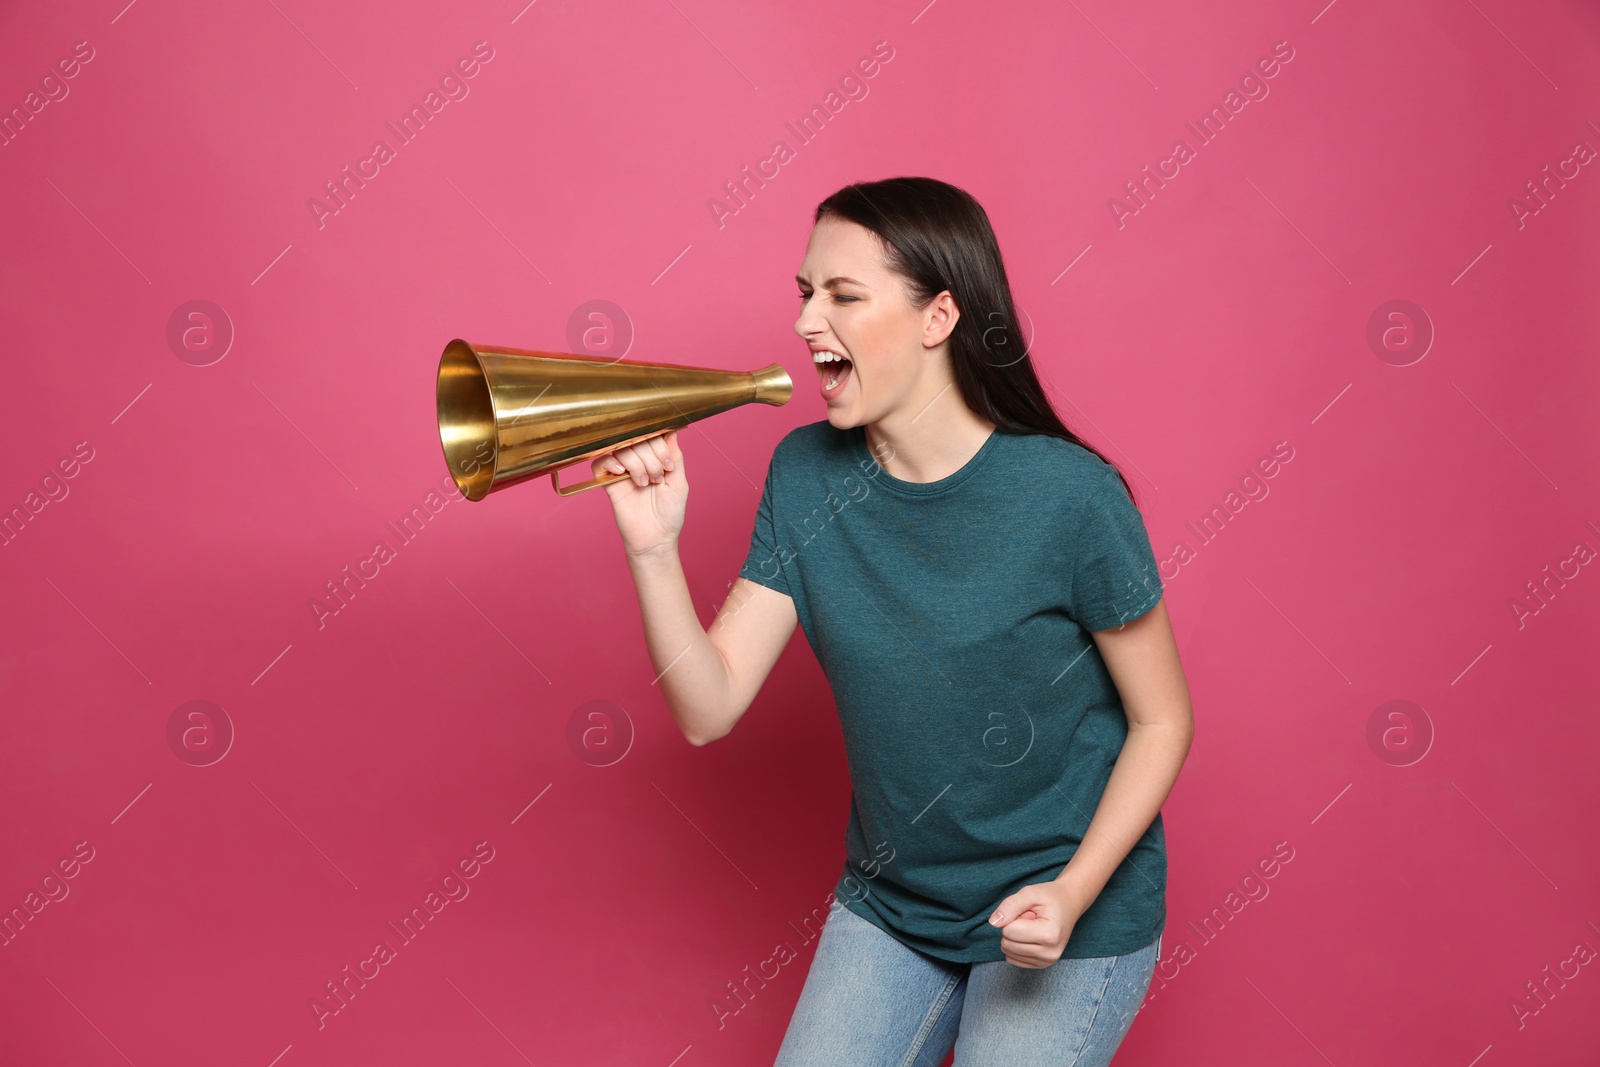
(833, 370)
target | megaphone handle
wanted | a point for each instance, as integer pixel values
(605, 479)
(592, 483)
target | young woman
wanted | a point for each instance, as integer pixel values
(980, 592)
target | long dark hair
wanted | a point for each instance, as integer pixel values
(938, 237)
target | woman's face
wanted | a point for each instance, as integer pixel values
(852, 306)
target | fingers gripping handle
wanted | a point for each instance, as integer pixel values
(604, 479)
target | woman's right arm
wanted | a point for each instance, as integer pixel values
(707, 679)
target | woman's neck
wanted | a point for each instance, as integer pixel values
(931, 441)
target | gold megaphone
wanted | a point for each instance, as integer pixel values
(507, 415)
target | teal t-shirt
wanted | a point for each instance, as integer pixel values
(952, 619)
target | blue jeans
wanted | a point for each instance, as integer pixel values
(870, 1001)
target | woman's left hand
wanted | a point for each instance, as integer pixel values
(1036, 921)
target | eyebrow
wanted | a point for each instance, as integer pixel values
(833, 281)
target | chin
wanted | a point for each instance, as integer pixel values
(840, 419)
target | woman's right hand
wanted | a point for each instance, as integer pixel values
(649, 505)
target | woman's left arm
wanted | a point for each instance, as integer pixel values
(1142, 658)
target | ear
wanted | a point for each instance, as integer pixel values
(939, 320)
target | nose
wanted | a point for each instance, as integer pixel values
(810, 324)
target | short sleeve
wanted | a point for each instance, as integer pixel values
(1115, 578)
(764, 563)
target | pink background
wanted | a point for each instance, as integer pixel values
(373, 753)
